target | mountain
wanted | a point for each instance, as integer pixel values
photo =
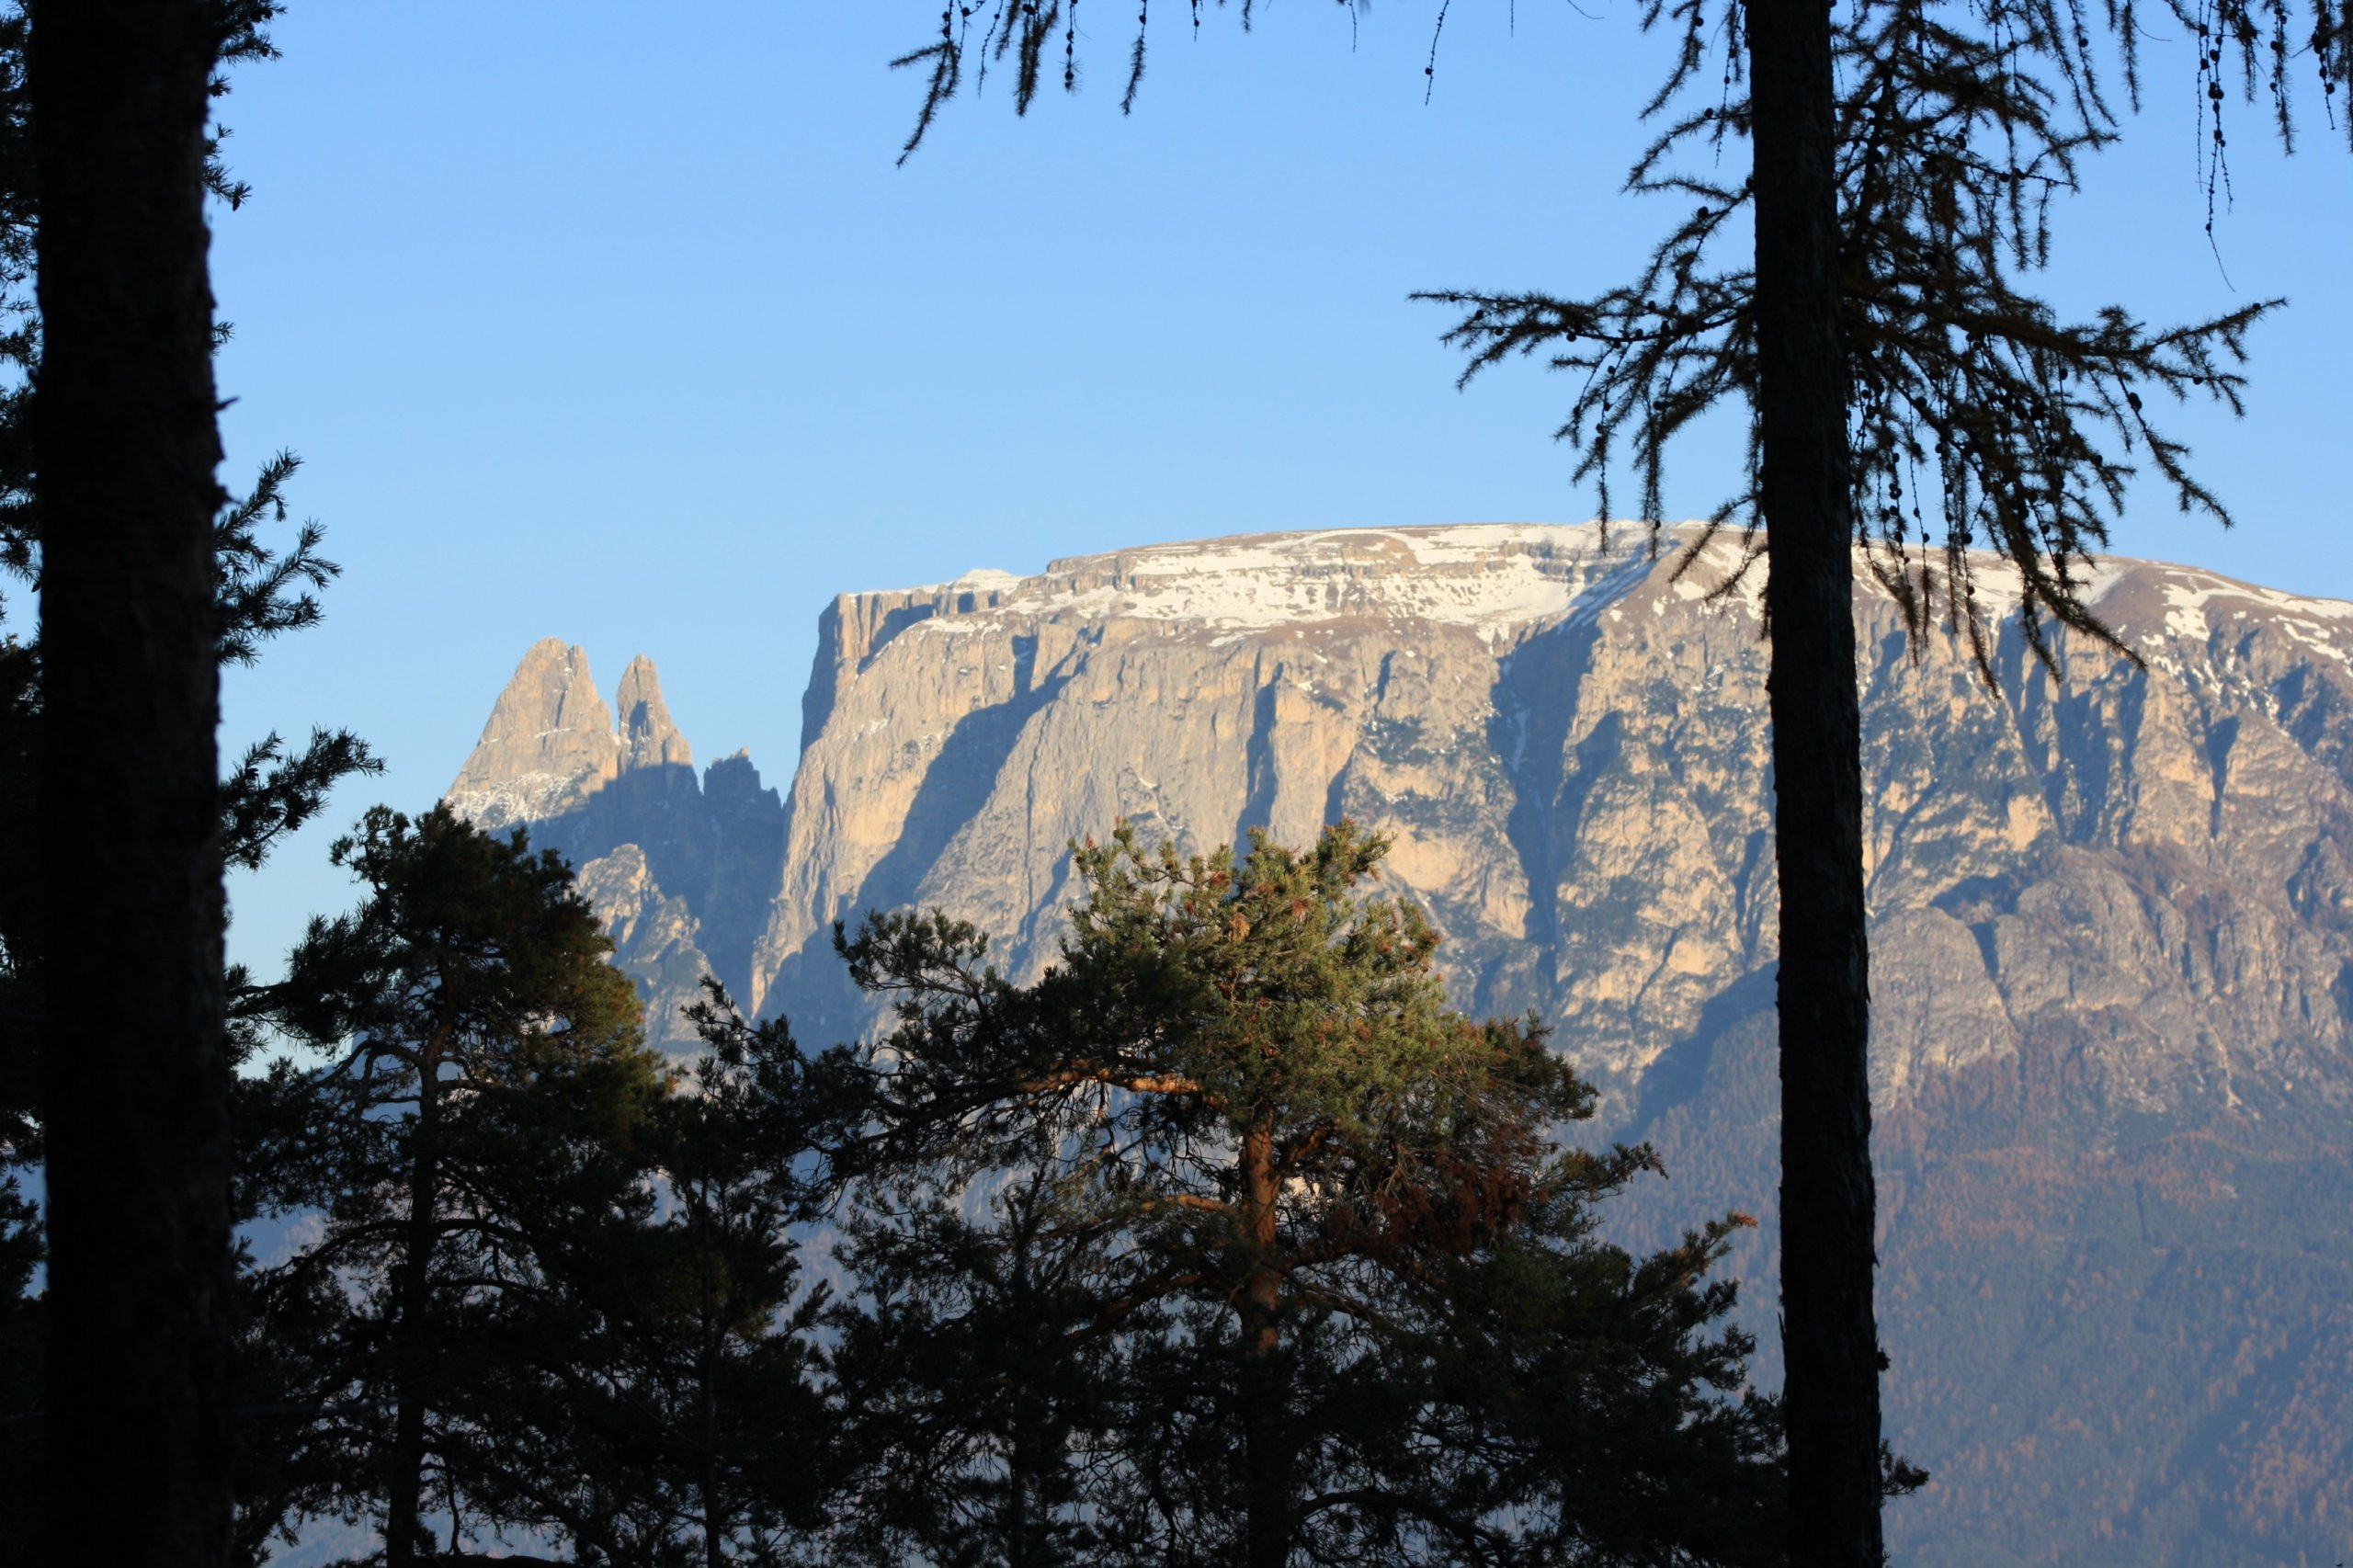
(2113, 920)
(680, 869)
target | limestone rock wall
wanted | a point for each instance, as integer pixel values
(1566, 740)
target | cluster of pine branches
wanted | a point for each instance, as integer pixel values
(1223, 1241)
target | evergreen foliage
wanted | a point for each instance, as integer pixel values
(1226, 1241)
(980, 1408)
(673, 1397)
(1978, 418)
(1270, 1233)
(479, 1103)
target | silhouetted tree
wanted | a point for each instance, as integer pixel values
(668, 1384)
(1905, 153)
(108, 495)
(273, 791)
(976, 1396)
(484, 1085)
(134, 1108)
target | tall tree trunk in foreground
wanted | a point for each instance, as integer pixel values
(136, 1076)
(1829, 1335)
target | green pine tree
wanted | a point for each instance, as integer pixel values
(669, 1379)
(478, 1085)
(1310, 1222)
(977, 1390)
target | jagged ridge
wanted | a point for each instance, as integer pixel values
(679, 869)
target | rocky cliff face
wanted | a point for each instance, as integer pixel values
(2113, 922)
(679, 869)
(548, 743)
(1566, 743)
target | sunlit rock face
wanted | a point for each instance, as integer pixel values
(2112, 918)
(1565, 741)
(548, 743)
(680, 869)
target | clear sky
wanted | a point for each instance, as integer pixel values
(617, 323)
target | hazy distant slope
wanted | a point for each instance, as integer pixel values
(2113, 921)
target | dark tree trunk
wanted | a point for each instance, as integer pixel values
(717, 1507)
(135, 1075)
(1266, 1457)
(1830, 1340)
(405, 1541)
(1025, 1545)
(714, 1502)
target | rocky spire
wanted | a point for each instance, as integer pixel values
(550, 740)
(648, 737)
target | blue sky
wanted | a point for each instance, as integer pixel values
(619, 323)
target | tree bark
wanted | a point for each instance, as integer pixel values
(717, 1511)
(714, 1507)
(1829, 1335)
(405, 1541)
(1266, 1454)
(135, 1075)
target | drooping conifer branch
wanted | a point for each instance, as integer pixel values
(1978, 418)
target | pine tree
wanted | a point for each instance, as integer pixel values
(483, 1084)
(1249, 1159)
(975, 1397)
(668, 1385)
